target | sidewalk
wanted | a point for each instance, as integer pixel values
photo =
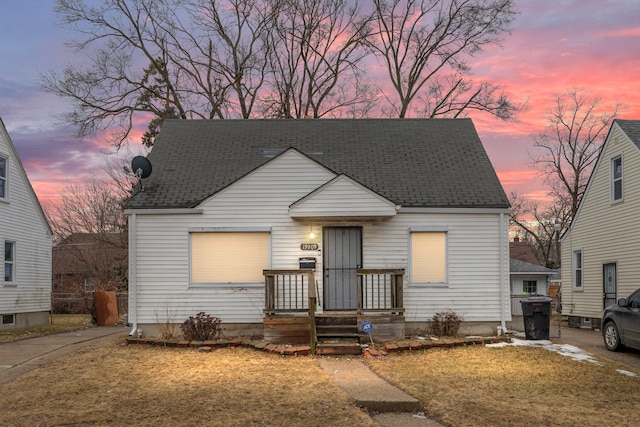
(394, 407)
(20, 357)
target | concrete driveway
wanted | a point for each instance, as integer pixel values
(19, 357)
(592, 342)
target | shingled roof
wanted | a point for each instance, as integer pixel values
(631, 128)
(412, 162)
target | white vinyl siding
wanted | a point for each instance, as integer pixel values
(428, 257)
(23, 224)
(605, 232)
(341, 198)
(229, 257)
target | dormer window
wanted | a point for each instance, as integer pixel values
(616, 179)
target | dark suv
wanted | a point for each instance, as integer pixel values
(621, 323)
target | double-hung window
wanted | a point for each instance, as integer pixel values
(3, 177)
(428, 257)
(577, 269)
(9, 262)
(616, 179)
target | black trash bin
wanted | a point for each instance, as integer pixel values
(537, 313)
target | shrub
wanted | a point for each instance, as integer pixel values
(445, 324)
(201, 327)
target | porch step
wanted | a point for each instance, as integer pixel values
(338, 348)
(337, 326)
(337, 319)
(337, 333)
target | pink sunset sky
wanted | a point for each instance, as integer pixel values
(554, 46)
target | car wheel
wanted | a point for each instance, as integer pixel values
(611, 337)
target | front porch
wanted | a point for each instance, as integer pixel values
(294, 311)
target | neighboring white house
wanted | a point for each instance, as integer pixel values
(528, 280)
(528, 277)
(25, 245)
(399, 216)
(600, 250)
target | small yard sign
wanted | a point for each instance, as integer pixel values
(366, 327)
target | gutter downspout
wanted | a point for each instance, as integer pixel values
(133, 286)
(503, 282)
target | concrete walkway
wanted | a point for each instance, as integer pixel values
(394, 407)
(22, 356)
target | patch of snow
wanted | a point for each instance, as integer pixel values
(563, 349)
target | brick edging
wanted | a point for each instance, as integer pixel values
(305, 350)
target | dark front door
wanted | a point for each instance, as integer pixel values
(609, 284)
(342, 248)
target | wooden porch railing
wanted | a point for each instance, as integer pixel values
(380, 289)
(289, 291)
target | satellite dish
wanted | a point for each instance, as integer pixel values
(141, 167)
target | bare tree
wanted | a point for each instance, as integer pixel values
(566, 154)
(569, 147)
(90, 229)
(156, 59)
(425, 44)
(162, 58)
(316, 60)
(235, 34)
(540, 226)
(95, 207)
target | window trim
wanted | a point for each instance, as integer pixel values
(615, 180)
(445, 267)
(11, 262)
(8, 316)
(575, 269)
(524, 287)
(4, 180)
(226, 230)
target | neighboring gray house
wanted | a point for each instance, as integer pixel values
(389, 220)
(600, 261)
(25, 245)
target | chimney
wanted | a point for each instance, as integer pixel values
(516, 239)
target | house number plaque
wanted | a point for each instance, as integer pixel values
(309, 246)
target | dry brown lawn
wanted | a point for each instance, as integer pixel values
(514, 386)
(112, 384)
(59, 323)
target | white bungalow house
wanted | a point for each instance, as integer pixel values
(264, 222)
(25, 245)
(600, 249)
